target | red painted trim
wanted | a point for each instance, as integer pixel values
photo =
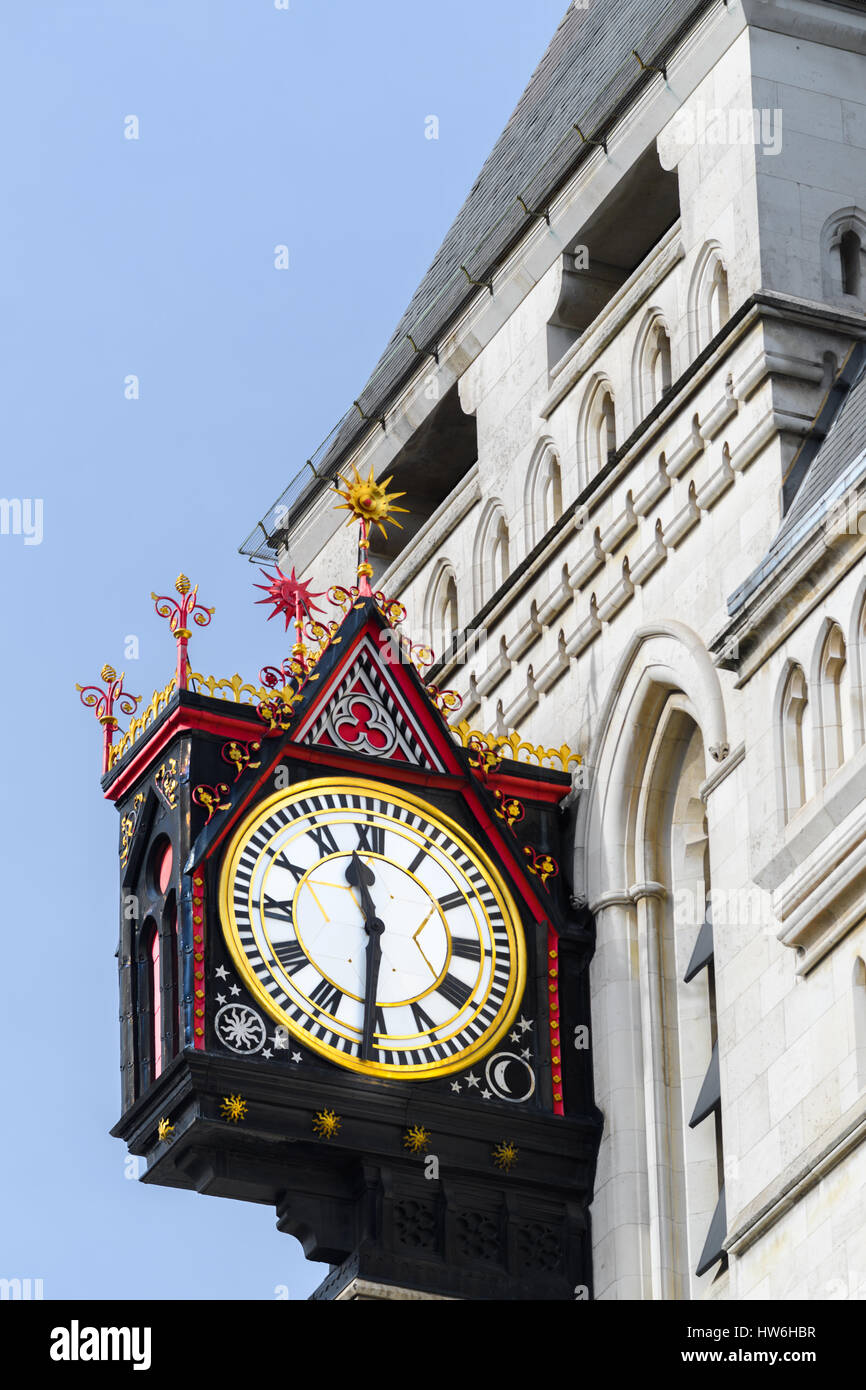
(179, 721)
(555, 1029)
(547, 792)
(198, 922)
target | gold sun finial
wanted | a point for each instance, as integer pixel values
(369, 501)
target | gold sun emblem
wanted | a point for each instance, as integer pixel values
(367, 500)
(233, 1108)
(326, 1124)
(505, 1155)
(164, 1129)
(417, 1139)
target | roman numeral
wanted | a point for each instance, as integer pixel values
(285, 863)
(275, 908)
(327, 996)
(371, 838)
(291, 956)
(455, 991)
(465, 950)
(323, 838)
(451, 900)
(423, 1022)
(417, 861)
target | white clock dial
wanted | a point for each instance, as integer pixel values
(373, 927)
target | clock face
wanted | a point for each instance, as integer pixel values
(373, 928)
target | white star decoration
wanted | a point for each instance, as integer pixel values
(471, 1079)
(221, 972)
(266, 1052)
(515, 1037)
(455, 1086)
(296, 1056)
(525, 1023)
(280, 1040)
(486, 1095)
(234, 990)
(221, 999)
(526, 1053)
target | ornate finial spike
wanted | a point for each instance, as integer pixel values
(102, 702)
(178, 615)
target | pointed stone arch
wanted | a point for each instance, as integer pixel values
(542, 498)
(659, 731)
(708, 299)
(492, 556)
(652, 363)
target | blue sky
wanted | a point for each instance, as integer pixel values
(154, 257)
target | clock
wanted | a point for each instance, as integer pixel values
(373, 928)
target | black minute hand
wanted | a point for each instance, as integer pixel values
(360, 876)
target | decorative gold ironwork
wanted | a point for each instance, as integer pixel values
(164, 1130)
(542, 866)
(513, 746)
(326, 1124)
(417, 1139)
(505, 1155)
(446, 701)
(211, 798)
(234, 1108)
(127, 827)
(235, 686)
(137, 726)
(166, 781)
(239, 755)
(509, 809)
(483, 758)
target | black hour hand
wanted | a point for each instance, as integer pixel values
(361, 876)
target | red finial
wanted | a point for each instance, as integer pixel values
(102, 702)
(178, 615)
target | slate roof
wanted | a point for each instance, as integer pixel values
(586, 77)
(836, 453)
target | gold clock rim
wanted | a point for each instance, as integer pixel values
(511, 917)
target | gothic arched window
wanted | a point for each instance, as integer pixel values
(598, 430)
(793, 709)
(843, 254)
(831, 670)
(709, 304)
(543, 493)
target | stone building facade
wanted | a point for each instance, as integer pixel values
(633, 450)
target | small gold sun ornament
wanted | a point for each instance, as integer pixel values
(164, 1129)
(234, 1108)
(326, 1124)
(417, 1139)
(367, 500)
(505, 1155)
